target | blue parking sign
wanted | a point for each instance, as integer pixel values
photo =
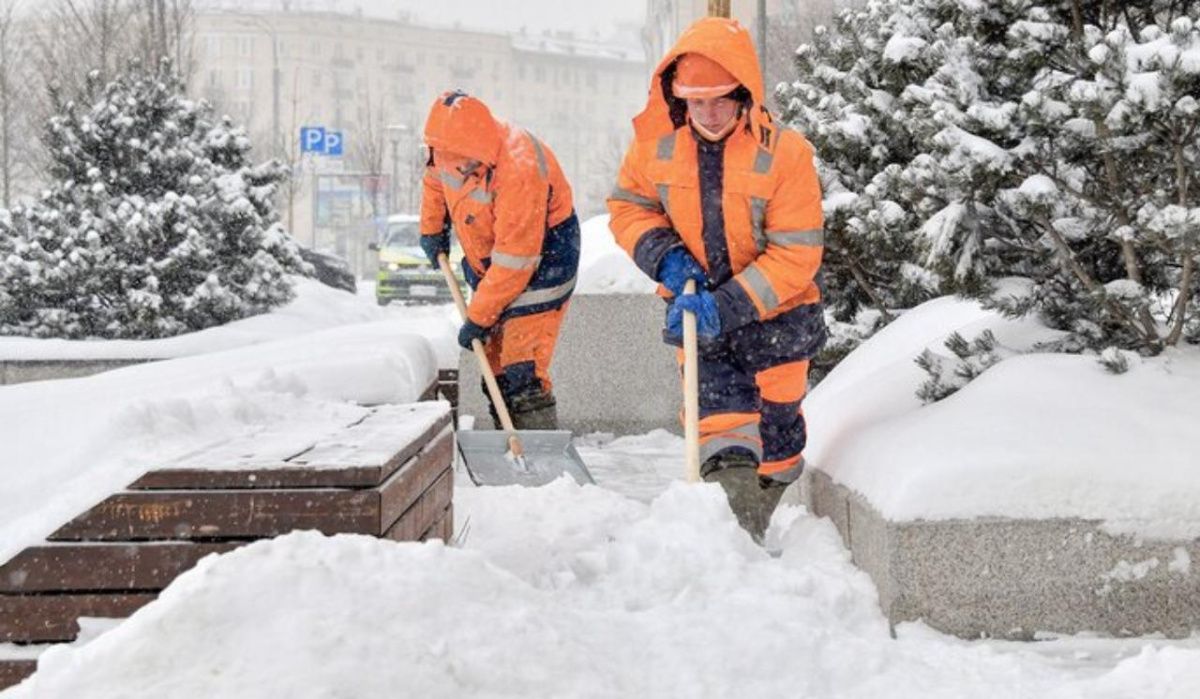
(333, 143)
(312, 139)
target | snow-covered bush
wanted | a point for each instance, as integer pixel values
(963, 143)
(156, 222)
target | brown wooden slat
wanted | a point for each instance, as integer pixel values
(408, 484)
(250, 514)
(419, 519)
(223, 514)
(302, 474)
(53, 618)
(101, 567)
(443, 528)
(13, 672)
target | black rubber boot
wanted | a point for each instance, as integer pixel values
(752, 498)
(534, 412)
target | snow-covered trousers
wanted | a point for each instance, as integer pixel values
(521, 345)
(752, 383)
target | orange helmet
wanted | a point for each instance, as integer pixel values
(461, 124)
(699, 77)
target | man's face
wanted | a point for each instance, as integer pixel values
(713, 113)
(454, 164)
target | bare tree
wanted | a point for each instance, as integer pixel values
(10, 95)
(369, 146)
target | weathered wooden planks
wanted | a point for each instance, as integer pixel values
(13, 672)
(90, 567)
(54, 618)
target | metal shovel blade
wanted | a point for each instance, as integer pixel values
(548, 455)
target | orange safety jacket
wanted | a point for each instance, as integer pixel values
(747, 208)
(501, 211)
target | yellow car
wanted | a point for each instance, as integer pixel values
(404, 272)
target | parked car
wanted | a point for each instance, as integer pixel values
(404, 272)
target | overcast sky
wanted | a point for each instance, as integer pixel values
(584, 17)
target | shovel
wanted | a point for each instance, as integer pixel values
(509, 457)
(691, 392)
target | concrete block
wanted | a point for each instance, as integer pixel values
(611, 371)
(1011, 578)
(13, 371)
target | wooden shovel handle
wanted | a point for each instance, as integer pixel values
(485, 367)
(691, 391)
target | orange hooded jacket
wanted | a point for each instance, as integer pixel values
(768, 241)
(500, 211)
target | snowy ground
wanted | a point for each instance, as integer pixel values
(639, 586)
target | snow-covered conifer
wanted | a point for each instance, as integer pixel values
(156, 223)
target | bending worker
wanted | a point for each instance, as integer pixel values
(713, 189)
(505, 195)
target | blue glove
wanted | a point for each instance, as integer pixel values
(471, 331)
(678, 266)
(435, 243)
(704, 305)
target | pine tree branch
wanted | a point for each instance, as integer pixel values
(861, 279)
(1179, 311)
(1147, 333)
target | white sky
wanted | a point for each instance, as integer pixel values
(581, 16)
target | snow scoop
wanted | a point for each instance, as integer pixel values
(691, 392)
(509, 457)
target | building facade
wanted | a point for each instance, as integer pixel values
(373, 80)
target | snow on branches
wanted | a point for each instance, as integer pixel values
(156, 222)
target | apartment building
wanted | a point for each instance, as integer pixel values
(373, 80)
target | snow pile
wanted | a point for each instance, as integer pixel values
(1037, 436)
(567, 591)
(316, 307)
(604, 268)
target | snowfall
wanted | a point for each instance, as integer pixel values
(639, 586)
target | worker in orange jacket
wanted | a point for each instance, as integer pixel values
(505, 196)
(713, 189)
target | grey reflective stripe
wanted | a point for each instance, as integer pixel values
(758, 214)
(812, 238)
(789, 475)
(515, 261)
(619, 194)
(480, 195)
(450, 180)
(666, 147)
(541, 156)
(749, 438)
(758, 283)
(536, 296)
(762, 162)
(663, 195)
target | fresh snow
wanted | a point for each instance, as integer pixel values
(640, 586)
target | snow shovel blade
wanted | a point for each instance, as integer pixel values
(548, 455)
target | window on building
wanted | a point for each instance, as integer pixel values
(420, 59)
(338, 51)
(441, 60)
(316, 78)
(593, 79)
(539, 73)
(245, 78)
(245, 45)
(214, 78)
(521, 71)
(212, 46)
(315, 48)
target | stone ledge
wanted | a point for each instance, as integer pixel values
(611, 370)
(14, 371)
(1011, 578)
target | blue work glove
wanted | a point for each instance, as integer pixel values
(471, 331)
(434, 244)
(704, 305)
(678, 266)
